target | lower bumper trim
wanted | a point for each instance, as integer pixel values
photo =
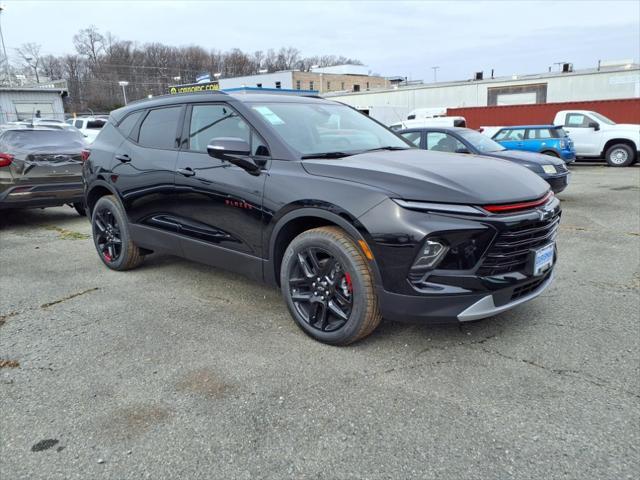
(485, 307)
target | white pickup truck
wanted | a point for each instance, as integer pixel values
(596, 136)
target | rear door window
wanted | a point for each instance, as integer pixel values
(159, 128)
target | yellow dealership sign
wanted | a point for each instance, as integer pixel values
(193, 87)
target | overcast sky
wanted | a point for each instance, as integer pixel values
(392, 38)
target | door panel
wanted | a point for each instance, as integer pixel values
(145, 174)
(585, 139)
(219, 205)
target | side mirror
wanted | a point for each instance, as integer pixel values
(221, 147)
(462, 150)
(235, 151)
(594, 125)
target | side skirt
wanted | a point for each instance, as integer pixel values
(199, 251)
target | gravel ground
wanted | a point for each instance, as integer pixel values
(178, 370)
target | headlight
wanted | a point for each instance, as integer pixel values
(430, 255)
(563, 144)
(549, 169)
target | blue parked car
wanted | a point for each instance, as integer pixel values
(547, 139)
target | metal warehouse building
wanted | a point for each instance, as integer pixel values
(24, 103)
(393, 105)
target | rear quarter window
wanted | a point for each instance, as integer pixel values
(130, 121)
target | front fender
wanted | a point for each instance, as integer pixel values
(322, 211)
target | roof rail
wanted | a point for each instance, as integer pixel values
(173, 95)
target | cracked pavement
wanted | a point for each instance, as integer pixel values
(179, 370)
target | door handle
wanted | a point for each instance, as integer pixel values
(123, 157)
(187, 172)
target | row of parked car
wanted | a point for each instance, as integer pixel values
(574, 134)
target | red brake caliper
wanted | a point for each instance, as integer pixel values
(347, 277)
(107, 257)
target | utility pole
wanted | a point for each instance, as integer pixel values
(4, 60)
(435, 73)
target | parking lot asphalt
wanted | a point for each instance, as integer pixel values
(179, 370)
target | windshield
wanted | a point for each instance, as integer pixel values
(316, 129)
(602, 118)
(481, 142)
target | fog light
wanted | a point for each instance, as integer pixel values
(430, 255)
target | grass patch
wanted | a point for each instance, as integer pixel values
(65, 234)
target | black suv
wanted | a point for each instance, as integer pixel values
(351, 221)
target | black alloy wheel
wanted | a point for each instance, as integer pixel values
(321, 289)
(107, 230)
(111, 235)
(328, 286)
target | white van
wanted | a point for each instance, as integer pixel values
(430, 122)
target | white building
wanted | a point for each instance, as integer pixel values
(25, 103)
(393, 105)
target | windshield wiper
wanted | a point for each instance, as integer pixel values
(326, 155)
(389, 147)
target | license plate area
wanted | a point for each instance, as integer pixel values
(542, 259)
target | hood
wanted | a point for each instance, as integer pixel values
(524, 157)
(423, 175)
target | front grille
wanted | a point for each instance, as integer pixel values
(510, 250)
(524, 290)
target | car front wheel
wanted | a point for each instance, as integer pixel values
(111, 235)
(620, 155)
(328, 286)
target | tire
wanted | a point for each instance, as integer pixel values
(108, 224)
(551, 153)
(79, 206)
(346, 285)
(620, 155)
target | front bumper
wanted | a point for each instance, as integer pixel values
(41, 195)
(451, 309)
(558, 182)
(568, 156)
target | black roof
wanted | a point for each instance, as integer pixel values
(180, 98)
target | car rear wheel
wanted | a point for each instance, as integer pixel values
(111, 235)
(620, 155)
(328, 287)
(551, 153)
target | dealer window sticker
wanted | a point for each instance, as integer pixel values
(269, 115)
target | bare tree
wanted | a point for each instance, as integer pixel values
(102, 60)
(90, 43)
(29, 54)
